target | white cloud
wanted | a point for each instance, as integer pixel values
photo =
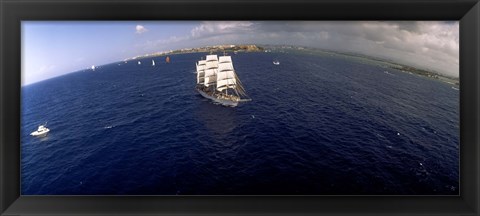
(172, 39)
(214, 28)
(139, 29)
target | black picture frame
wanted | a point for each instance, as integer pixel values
(12, 12)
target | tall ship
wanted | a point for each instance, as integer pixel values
(217, 80)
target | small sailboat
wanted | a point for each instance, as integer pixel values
(41, 131)
(167, 59)
(217, 81)
(93, 67)
(276, 62)
(153, 63)
(139, 63)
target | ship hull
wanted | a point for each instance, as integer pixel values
(223, 102)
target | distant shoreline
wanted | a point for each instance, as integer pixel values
(282, 48)
(383, 62)
(298, 49)
(288, 48)
(217, 48)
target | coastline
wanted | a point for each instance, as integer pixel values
(388, 64)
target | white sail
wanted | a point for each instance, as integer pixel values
(223, 59)
(200, 72)
(209, 80)
(200, 68)
(210, 76)
(225, 75)
(212, 58)
(210, 72)
(226, 83)
(200, 78)
(225, 66)
(93, 67)
(153, 63)
(211, 64)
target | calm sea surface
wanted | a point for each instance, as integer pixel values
(317, 124)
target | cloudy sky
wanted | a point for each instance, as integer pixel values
(51, 49)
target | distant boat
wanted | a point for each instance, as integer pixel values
(153, 63)
(217, 81)
(41, 131)
(167, 59)
(276, 62)
(139, 63)
(93, 67)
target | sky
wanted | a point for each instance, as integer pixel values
(54, 48)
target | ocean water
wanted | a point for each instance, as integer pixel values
(317, 125)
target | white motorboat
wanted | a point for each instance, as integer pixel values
(41, 131)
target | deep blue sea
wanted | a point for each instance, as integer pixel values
(317, 125)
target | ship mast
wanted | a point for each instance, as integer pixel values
(226, 90)
(228, 79)
(211, 67)
(201, 72)
(226, 74)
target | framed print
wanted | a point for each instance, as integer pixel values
(209, 107)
